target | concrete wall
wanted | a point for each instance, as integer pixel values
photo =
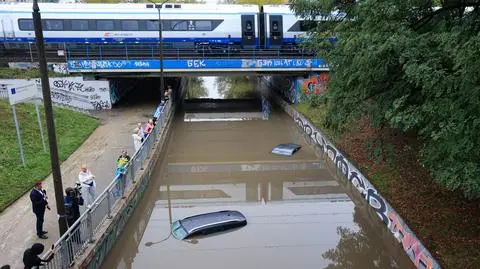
(419, 255)
(74, 92)
(299, 89)
(107, 234)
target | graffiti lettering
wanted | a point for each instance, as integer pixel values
(196, 63)
(60, 68)
(61, 97)
(410, 243)
(99, 105)
(414, 248)
(68, 85)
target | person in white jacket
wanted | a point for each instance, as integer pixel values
(137, 140)
(87, 181)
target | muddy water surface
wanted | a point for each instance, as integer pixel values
(299, 215)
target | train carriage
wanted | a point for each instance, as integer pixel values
(128, 29)
(185, 26)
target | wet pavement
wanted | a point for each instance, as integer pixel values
(99, 152)
(299, 215)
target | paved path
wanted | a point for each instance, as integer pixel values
(99, 151)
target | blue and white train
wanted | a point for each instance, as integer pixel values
(184, 26)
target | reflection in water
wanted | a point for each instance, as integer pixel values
(221, 87)
(354, 246)
(295, 208)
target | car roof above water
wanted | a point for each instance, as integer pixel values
(197, 221)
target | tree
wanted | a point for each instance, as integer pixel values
(261, 2)
(196, 88)
(362, 248)
(235, 87)
(413, 66)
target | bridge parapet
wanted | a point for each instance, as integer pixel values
(198, 65)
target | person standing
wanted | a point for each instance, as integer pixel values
(124, 155)
(137, 140)
(38, 196)
(141, 131)
(87, 179)
(72, 201)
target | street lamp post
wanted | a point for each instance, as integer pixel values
(47, 101)
(160, 37)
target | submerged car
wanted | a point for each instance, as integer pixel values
(286, 149)
(208, 223)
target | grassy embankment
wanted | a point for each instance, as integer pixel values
(446, 222)
(72, 128)
(7, 73)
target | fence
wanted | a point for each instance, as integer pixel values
(146, 51)
(77, 238)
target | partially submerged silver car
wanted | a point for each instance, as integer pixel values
(286, 149)
(207, 223)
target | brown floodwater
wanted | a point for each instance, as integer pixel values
(299, 215)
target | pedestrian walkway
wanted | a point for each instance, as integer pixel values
(99, 152)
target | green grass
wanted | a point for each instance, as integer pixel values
(72, 128)
(6, 73)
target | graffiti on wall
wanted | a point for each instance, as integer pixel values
(298, 89)
(76, 92)
(419, 255)
(313, 85)
(73, 92)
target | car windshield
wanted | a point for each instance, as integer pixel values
(178, 231)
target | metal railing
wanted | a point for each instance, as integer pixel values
(145, 51)
(152, 51)
(77, 238)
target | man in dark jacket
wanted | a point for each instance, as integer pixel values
(30, 256)
(72, 201)
(39, 203)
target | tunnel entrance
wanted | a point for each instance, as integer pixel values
(222, 99)
(136, 91)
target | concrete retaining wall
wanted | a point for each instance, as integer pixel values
(419, 255)
(112, 228)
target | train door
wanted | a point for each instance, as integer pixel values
(248, 31)
(276, 30)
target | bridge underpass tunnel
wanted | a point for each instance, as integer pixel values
(133, 91)
(227, 98)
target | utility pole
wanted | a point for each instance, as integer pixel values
(160, 37)
(47, 101)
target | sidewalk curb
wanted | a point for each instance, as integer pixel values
(107, 234)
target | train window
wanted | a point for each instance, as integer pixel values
(179, 25)
(249, 26)
(306, 26)
(79, 25)
(130, 25)
(105, 25)
(275, 26)
(203, 25)
(25, 24)
(152, 25)
(53, 25)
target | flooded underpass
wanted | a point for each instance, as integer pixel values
(299, 215)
